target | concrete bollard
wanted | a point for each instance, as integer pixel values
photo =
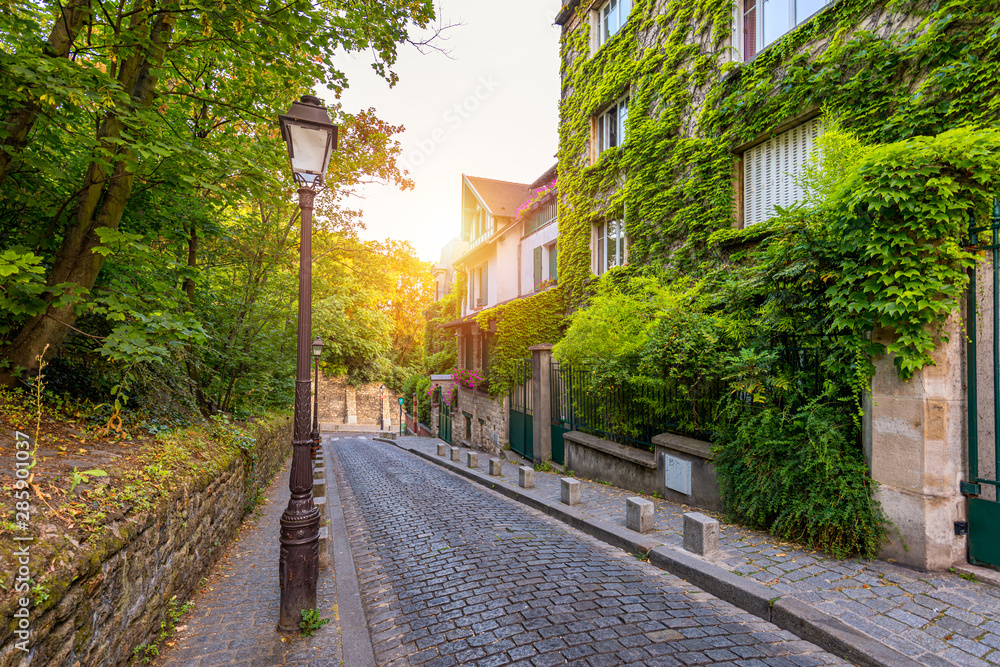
(455, 453)
(442, 449)
(496, 467)
(324, 547)
(570, 491)
(639, 514)
(526, 477)
(319, 487)
(701, 534)
(472, 460)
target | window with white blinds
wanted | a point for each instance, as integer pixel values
(769, 170)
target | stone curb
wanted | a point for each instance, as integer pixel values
(356, 641)
(799, 618)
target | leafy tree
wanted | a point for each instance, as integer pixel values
(130, 129)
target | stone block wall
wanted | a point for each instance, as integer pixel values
(341, 403)
(487, 427)
(114, 595)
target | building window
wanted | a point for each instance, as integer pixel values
(611, 126)
(553, 261)
(770, 170)
(610, 248)
(610, 19)
(481, 279)
(764, 21)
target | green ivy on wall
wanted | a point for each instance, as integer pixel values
(691, 107)
(519, 325)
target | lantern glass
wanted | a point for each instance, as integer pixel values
(317, 347)
(309, 149)
(311, 139)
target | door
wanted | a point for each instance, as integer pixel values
(520, 414)
(561, 394)
(444, 419)
(983, 329)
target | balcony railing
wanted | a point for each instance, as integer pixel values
(484, 236)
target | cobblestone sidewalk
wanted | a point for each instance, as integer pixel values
(934, 618)
(235, 616)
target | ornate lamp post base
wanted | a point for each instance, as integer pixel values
(298, 564)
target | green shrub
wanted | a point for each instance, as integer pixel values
(799, 474)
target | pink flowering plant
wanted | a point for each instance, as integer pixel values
(544, 284)
(536, 196)
(470, 379)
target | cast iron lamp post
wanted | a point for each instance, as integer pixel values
(317, 349)
(381, 407)
(311, 137)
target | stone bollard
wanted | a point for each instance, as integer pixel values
(319, 487)
(324, 547)
(442, 449)
(639, 514)
(570, 491)
(526, 477)
(472, 460)
(496, 467)
(701, 534)
(455, 453)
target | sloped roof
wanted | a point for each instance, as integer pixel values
(501, 197)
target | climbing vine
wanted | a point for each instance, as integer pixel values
(912, 84)
(519, 325)
(924, 69)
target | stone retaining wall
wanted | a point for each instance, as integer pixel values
(341, 403)
(117, 590)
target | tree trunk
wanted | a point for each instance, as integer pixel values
(192, 357)
(22, 118)
(101, 204)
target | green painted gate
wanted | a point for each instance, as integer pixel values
(561, 395)
(520, 413)
(444, 419)
(983, 308)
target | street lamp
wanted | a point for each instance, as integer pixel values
(381, 407)
(311, 137)
(317, 349)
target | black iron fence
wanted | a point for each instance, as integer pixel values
(633, 411)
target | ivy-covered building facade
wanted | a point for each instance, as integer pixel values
(687, 131)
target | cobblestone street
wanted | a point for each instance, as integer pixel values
(454, 574)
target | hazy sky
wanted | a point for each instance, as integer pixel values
(489, 108)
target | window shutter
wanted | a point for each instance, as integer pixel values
(553, 261)
(770, 169)
(485, 294)
(600, 249)
(538, 266)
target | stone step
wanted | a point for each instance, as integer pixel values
(331, 427)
